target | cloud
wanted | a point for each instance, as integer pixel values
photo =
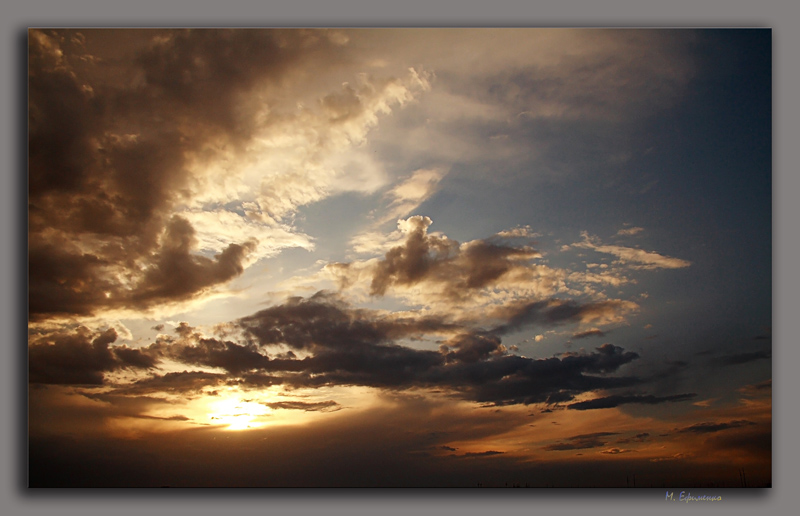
(106, 191)
(594, 332)
(165, 163)
(322, 406)
(430, 269)
(518, 232)
(472, 347)
(179, 125)
(80, 357)
(235, 130)
(709, 427)
(324, 321)
(638, 438)
(355, 347)
(322, 341)
(412, 192)
(216, 229)
(64, 280)
(196, 350)
(184, 382)
(552, 312)
(487, 453)
(615, 451)
(581, 442)
(758, 390)
(615, 401)
(355, 441)
(515, 95)
(457, 269)
(626, 255)
(170, 418)
(331, 135)
(176, 274)
(438, 261)
(630, 231)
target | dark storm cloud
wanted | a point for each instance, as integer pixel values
(581, 442)
(64, 280)
(615, 401)
(61, 116)
(512, 379)
(232, 357)
(325, 322)
(81, 357)
(201, 74)
(380, 366)
(179, 382)
(321, 321)
(187, 91)
(472, 347)
(459, 269)
(707, 428)
(83, 178)
(109, 144)
(177, 274)
(357, 347)
(350, 347)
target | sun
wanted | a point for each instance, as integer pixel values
(238, 414)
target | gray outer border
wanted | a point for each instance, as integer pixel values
(15, 499)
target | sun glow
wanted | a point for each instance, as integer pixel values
(237, 414)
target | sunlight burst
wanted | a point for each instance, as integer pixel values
(237, 414)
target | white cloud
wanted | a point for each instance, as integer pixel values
(302, 153)
(412, 192)
(518, 232)
(216, 229)
(629, 231)
(627, 255)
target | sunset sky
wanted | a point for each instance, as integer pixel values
(400, 257)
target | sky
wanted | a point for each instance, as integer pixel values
(399, 257)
